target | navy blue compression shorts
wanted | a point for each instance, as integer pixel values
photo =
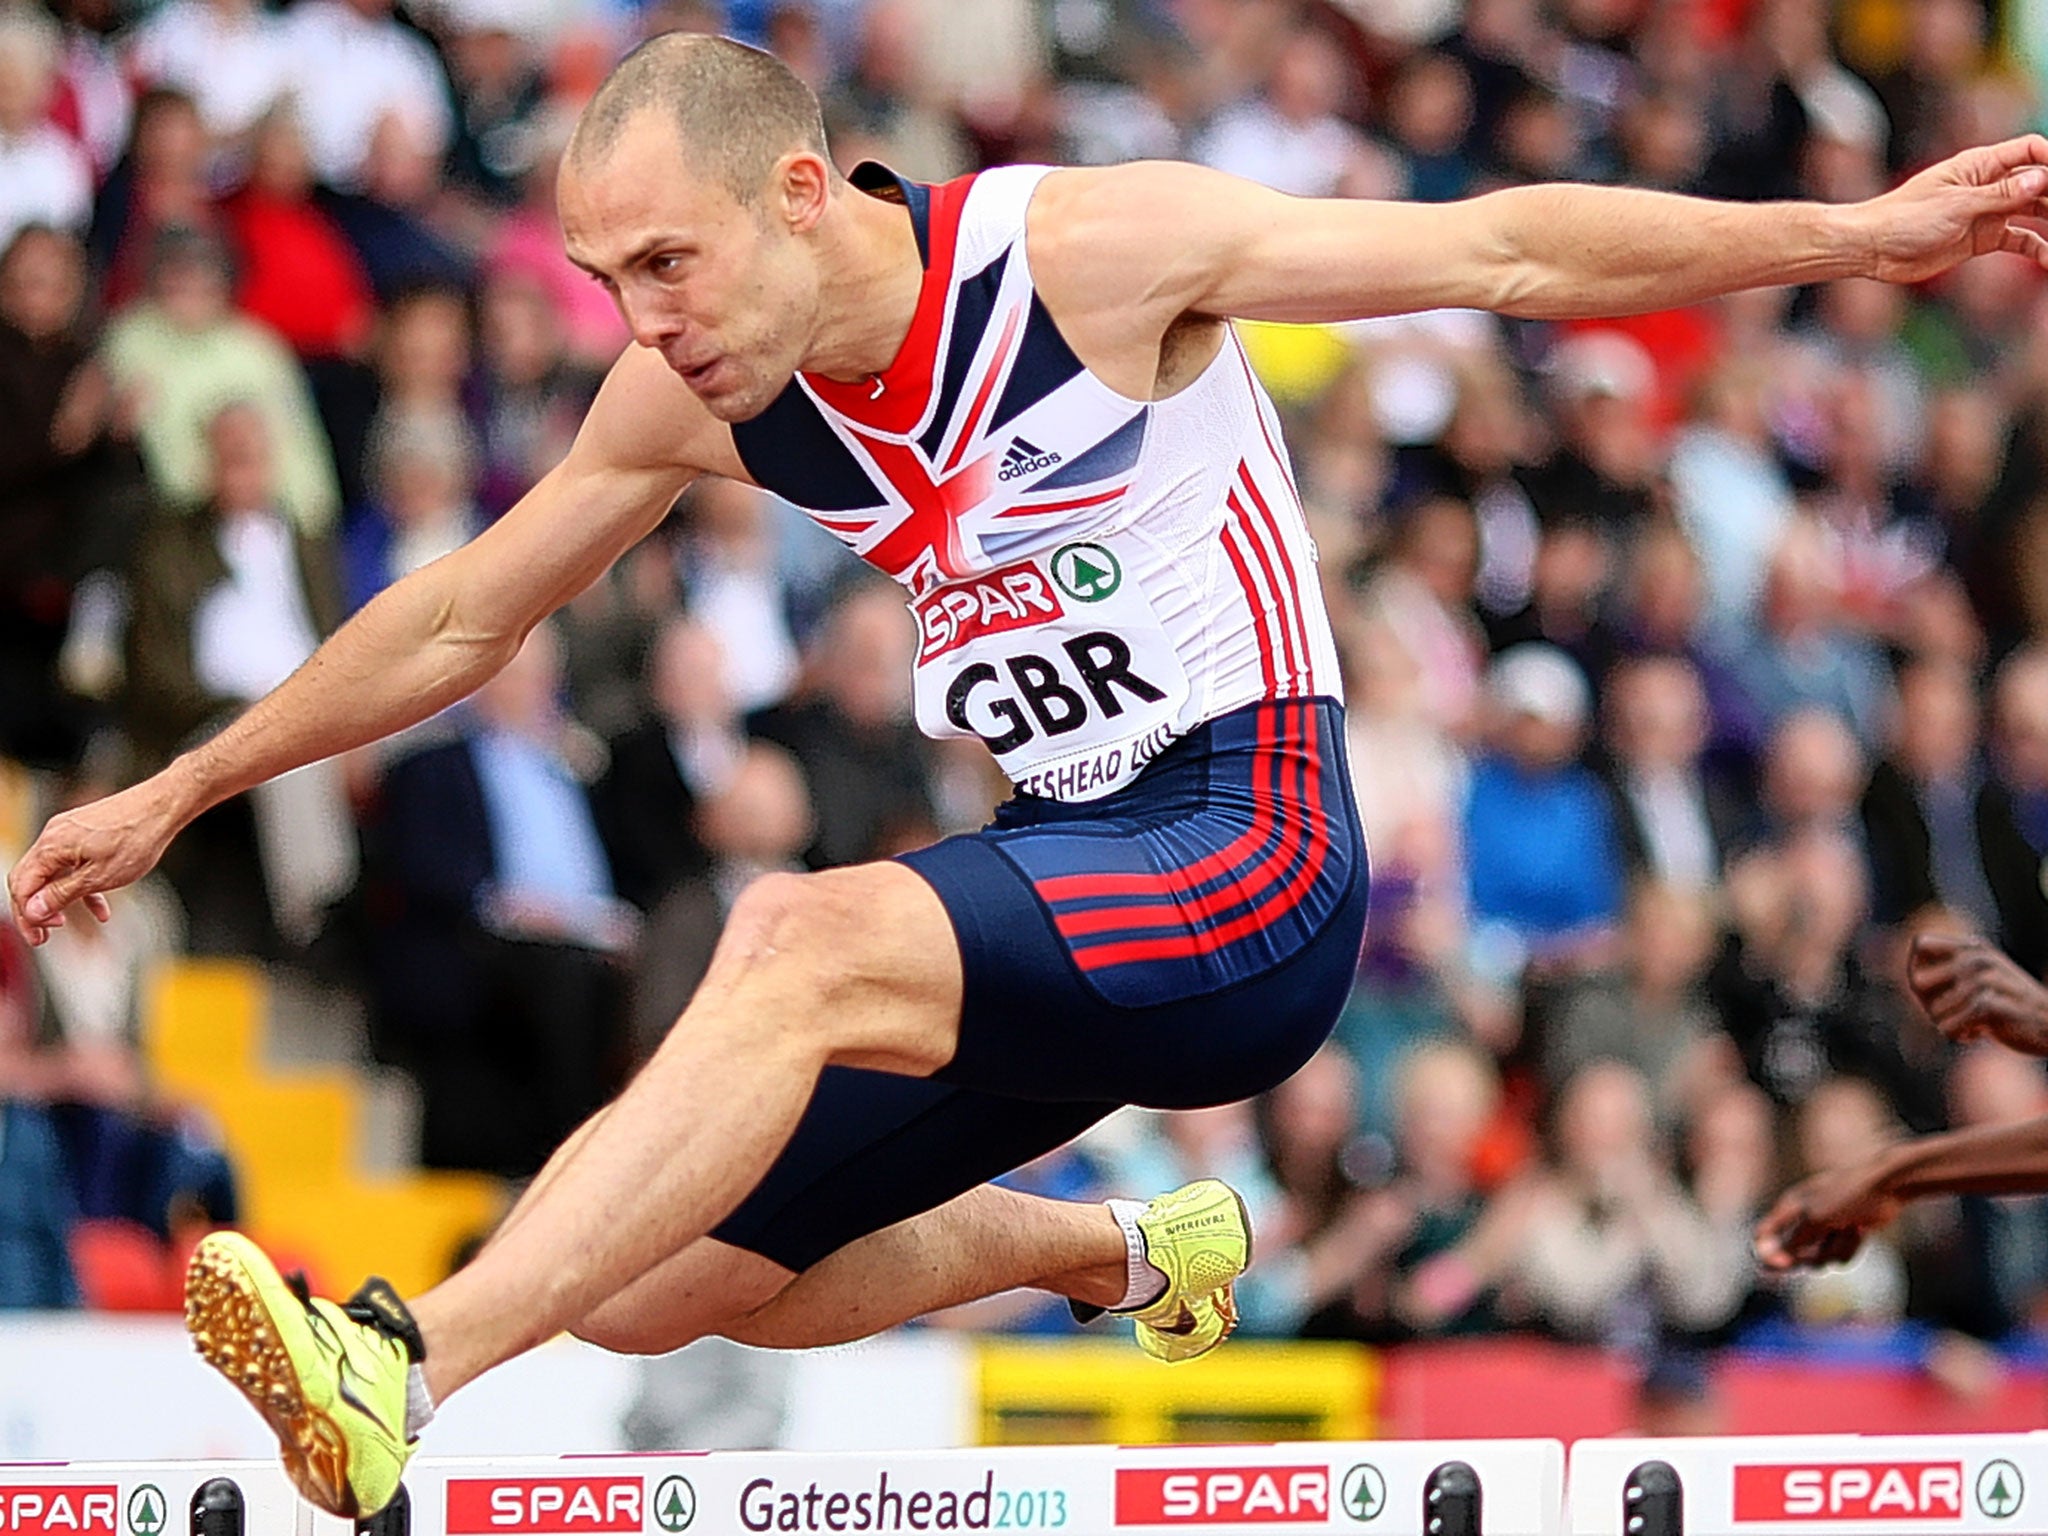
(1188, 940)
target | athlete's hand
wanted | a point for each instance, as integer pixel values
(1823, 1219)
(85, 853)
(1971, 989)
(1992, 198)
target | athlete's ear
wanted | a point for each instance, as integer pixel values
(802, 188)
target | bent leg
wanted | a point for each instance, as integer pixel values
(984, 1242)
(854, 966)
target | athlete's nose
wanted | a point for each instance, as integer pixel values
(650, 327)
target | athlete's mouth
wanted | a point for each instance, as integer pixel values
(695, 375)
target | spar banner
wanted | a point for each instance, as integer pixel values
(1380, 1488)
(156, 1498)
(1813, 1485)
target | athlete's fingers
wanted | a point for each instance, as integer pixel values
(1994, 160)
(99, 907)
(2021, 241)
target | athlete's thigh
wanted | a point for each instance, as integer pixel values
(874, 1149)
(687, 1296)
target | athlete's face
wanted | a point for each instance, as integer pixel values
(725, 292)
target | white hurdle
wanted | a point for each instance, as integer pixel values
(1381, 1488)
(1770, 1485)
(1817, 1485)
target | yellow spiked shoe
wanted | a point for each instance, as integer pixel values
(329, 1379)
(1200, 1238)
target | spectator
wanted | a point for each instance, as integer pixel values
(1542, 858)
(1802, 652)
(357, 69)
(850, 728)
(295, 272)
(420, 362)
(1423, 597)
(1733, 498)
(501, 101)
(228, 602)
(1651, 1012)
(45, 178)
(1940, 832)
(661, 772)
(531, 396)
(422, 465)
(732, 582)
(1791, 991)
(232, 58)
(70, 496)
(1842, 1121)
(1406, 1278)
(1603, 1244)
(387, 210)
(497, 929)
(184, 354)
(2020, 740)
(753, 820)
(2000, 1253)
(161, 183)
(1291, 136)
(1677, 817)
(95, 99)
(1601, 385)
(1813, 777)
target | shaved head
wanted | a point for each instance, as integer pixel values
(736, 109)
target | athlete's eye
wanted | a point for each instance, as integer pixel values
(665, 265)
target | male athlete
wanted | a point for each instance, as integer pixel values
(1019, 395)
(1971, 992)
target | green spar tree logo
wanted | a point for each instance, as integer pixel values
(675, 1504)
(1086, 572)
(1365, 1492)
(2000, 1489)
(146, 1508)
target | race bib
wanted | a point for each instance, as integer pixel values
(1059, 664)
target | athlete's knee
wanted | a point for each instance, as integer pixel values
(789, 922)
(778, 1325)
(634, 1336)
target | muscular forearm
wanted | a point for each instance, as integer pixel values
(406, 656)
(1567, 250)
(1988, 1160)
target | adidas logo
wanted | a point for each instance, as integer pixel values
(1025, 458)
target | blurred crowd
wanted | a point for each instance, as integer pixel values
(1694, 661)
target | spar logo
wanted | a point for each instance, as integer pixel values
(1222, 1495)
(548, 1506)
(1014, 597)
(148, 1512)
(40, 1511)
(1876, 1490)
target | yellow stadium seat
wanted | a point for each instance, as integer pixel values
(292, 1135)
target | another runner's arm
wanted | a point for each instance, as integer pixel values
(1548, 252)
(1983, 1160)
(427, 641)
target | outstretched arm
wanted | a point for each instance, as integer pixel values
(1823, 1219)
(426, 642)
(1545, 252)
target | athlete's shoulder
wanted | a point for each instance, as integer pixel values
(645, 419)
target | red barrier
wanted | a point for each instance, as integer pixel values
(1521, 1387)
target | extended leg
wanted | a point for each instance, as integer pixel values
(855, 966)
